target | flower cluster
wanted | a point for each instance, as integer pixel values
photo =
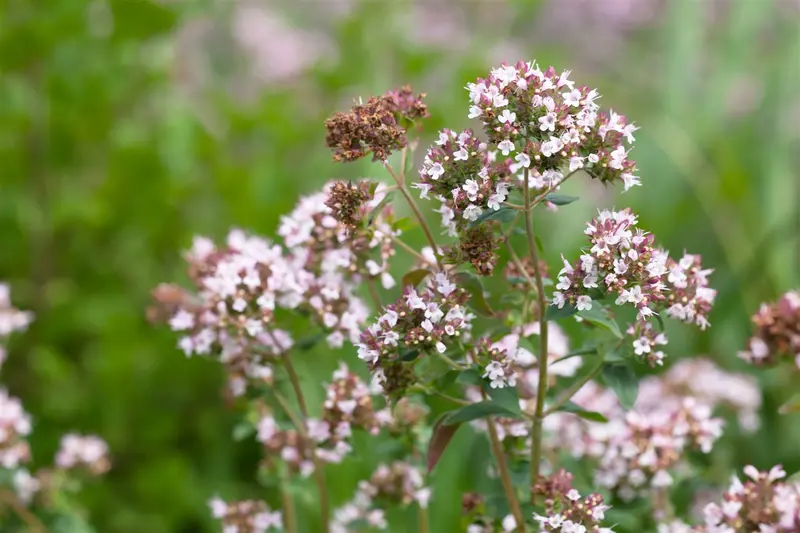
(348, 404)
(291, 447)
(644, 448)
(15, 426)
(420, 321)
(11, 318)
(623, 260)
(647, 445)
(762, 503)
(87, 453)
(777, 332)
(248, 516)
(550, 124)
(83, 451)
(398, 483)
(477, 246)
(375, 127)
(566, 510)
(462, 174)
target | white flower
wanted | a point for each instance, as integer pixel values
(436, 171)
(507, 117)
(574, 495)
(505, 146)
(547, 122)
(584, 303)
(474, 111)
(461, 155)
(472, 212)
(523, 159)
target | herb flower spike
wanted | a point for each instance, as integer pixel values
(547, 124)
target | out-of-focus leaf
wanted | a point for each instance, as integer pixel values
(600, 316)
(554, 313)
(504, 214)
(442, 435)
(479, 410)
(791, 406)
(471, 376)
(623, 381)
(404, 224)
(561, 199)
(378, 208)
(306, 343)
(508, 397)
(409, 355)
(414, 277)
(592, 416)
(242, 431)
(470, 282)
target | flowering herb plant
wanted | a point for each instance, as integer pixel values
(504, 366)
(40, 500)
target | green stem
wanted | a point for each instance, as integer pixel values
(450, 362)
(505, 476)
(422, 517)
(541, 389)
(289, 513)
(319, 473)
(417, 213)
(574, 388)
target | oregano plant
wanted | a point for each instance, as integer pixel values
(579, 442)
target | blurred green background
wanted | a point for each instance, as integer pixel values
(127, 126)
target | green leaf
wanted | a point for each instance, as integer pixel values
(554, 313)
(242, 431)
(306, 343)
(479, 410)
(539, 245)
(561, 199)
(414, 277)
(504, 214)
(470, 376)
(792, 406)
(446, 380)
(409, 355)
(378, 208)
(404, 224)
(470, 282)
(601, 316)
(592, 416)
(442, 435)
(623, 381)
(508, 397)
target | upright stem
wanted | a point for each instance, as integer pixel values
(422, 517)
(575, 387)
(400, 181)
(301, 400)
(32, 522)
(319, 474)
(373, 293)
(541, 389)
(289, 513)
(505, 476)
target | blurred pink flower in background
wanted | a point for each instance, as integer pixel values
(279, 51)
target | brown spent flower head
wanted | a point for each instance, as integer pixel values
(777, 332)
(477, 245)
(374, 127)
(405, 105)
(345, 201)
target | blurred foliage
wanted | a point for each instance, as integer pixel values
(127, 126)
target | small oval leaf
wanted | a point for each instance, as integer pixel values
(504, 214)
(592, 416)
(561, 199)
(414, 277)
(479, 410)
(600, 316)
(554, 313)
